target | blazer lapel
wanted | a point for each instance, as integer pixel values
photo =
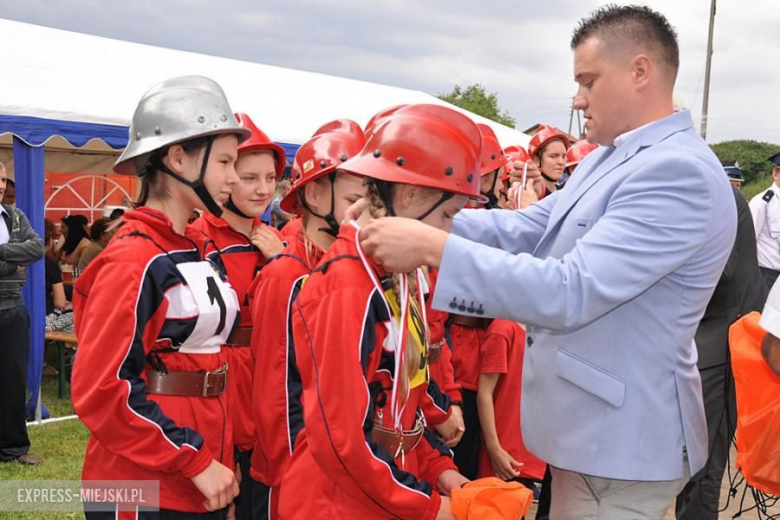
(645, 137)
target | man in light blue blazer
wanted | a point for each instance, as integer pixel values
(611, 276)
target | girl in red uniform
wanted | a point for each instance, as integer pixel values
(360, 338)
(547, 149)
(260, 163)
(153, 310)
(319, 189)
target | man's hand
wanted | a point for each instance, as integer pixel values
(218, 484)
(266, 241)
(400, 245)
(449, 480)
(453, 428)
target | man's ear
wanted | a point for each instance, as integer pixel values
(642, 70)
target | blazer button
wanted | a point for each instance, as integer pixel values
(471, 308)
(480, 310)
(462, 306)
(454, 304)
(530, 341)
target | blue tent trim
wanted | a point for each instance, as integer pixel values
(30, 134)
(35, 131)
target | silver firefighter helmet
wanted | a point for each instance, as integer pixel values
(174, 111)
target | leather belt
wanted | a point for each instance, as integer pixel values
(241, 337)
(469, 321)
(396, 443)
(187, 383)
(434, 351)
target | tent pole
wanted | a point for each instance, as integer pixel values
(29, 177)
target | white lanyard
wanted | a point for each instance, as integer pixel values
(518, 193)
(401, 338)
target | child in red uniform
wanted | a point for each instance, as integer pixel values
(260, 163)
(503, 453)
(319, 189)
(360, 339)
(153, 310)
(468, 331)
(442, 371)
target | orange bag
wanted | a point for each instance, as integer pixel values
(491, 499)
(758, 406)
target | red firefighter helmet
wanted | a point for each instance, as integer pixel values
(379, 118)
(260, 141)
(519, 155)
(544, 135)
(493, 156)
(330, 147)
(513, 149)
(577, 152)
(424, 145)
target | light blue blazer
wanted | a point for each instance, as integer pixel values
(612, 276)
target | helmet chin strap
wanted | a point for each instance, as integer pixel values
(197, 186)
(333, 225)
(492, 202)
(232, 207)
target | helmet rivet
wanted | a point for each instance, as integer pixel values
(343, 158)
(201, 119)
(493, 157)
(323, 163)
(400, 161)
(138, 136)
(470, 178)
(223, 118)
(157, 130)
(448, 170)
(377, 153)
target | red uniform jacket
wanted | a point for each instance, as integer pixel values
(276, 389)
(151, 300)
(338, 471)
(292, 228)
(442, 370)
(502, 353)
(242, 260)
(466, 342)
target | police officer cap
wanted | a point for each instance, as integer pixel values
(775, 159)
(734, 173)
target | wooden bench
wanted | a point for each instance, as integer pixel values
(63, 340)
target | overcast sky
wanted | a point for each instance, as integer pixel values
(517, 49)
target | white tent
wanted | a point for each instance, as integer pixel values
(67, 99)
(62, 75)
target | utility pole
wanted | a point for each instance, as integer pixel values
(706, 100)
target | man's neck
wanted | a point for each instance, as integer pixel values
(240, 224)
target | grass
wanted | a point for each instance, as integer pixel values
(60, 444)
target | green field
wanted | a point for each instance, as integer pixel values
(60, 444)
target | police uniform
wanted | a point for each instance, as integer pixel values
(765, 208)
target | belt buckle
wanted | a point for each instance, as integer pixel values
(206, 386)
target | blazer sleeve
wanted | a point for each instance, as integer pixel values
(515, 231)
(333, 357)
(651, 226)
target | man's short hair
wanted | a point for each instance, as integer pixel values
(634, 23)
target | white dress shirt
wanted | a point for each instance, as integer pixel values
(766, 219)
(4, 231)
